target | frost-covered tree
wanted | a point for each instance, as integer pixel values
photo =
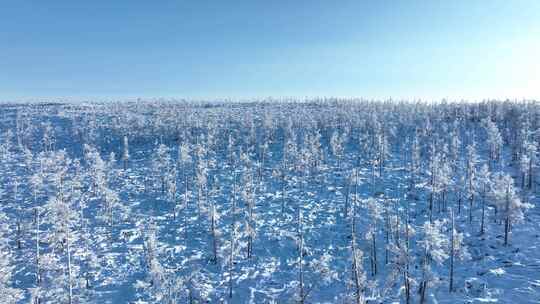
(96, 168)
(25, 127)
(443, 181)
(125, 154)
(234, 245)
(358, 275)
(261, 163)
(301, 297)
(112, 208)
(280, 173)
(49, 137)
(8, 293)
(472, 161)
(484, 186)
(494, 140)
(337, 143)
(457, 249)
(415, 161)
(380, 132)
(528, 162)
(460, 188)
(375, 211)
(214, 218)
(171, 191)
(290, 149)
(184, 160)
(402, 259)
(316, 151)
(434, 245)
(359, 278)
(455, 147)
(62, 219)
(511, 208)
(434, 168)
(155, 280)
(313, 268)
(201, 176)
(248, 196)
(161, 164)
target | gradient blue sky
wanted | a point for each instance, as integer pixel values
(238, 49)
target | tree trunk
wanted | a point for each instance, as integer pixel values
(407, 286)
(530, 173)
(482, 229)
(506, 230)
(301, 259)
(38, 277)
(471, 199)
(507, 218)
(283, 188)
(452, 254)
(214, 237)
(19, 235)
(431, 205)
(459, 202)
(348, 187)
(387, 233)
(70, 285)
(231, 262)
(423, 287)
(185, 206)
(355, 262)
(373, 255)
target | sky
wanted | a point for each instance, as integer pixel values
(252, 49)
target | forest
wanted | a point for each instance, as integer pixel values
(270, 201)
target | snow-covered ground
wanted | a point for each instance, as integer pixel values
(175, 202)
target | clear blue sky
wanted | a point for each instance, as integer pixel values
(237, 49)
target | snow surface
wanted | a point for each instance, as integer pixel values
(115, 258)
